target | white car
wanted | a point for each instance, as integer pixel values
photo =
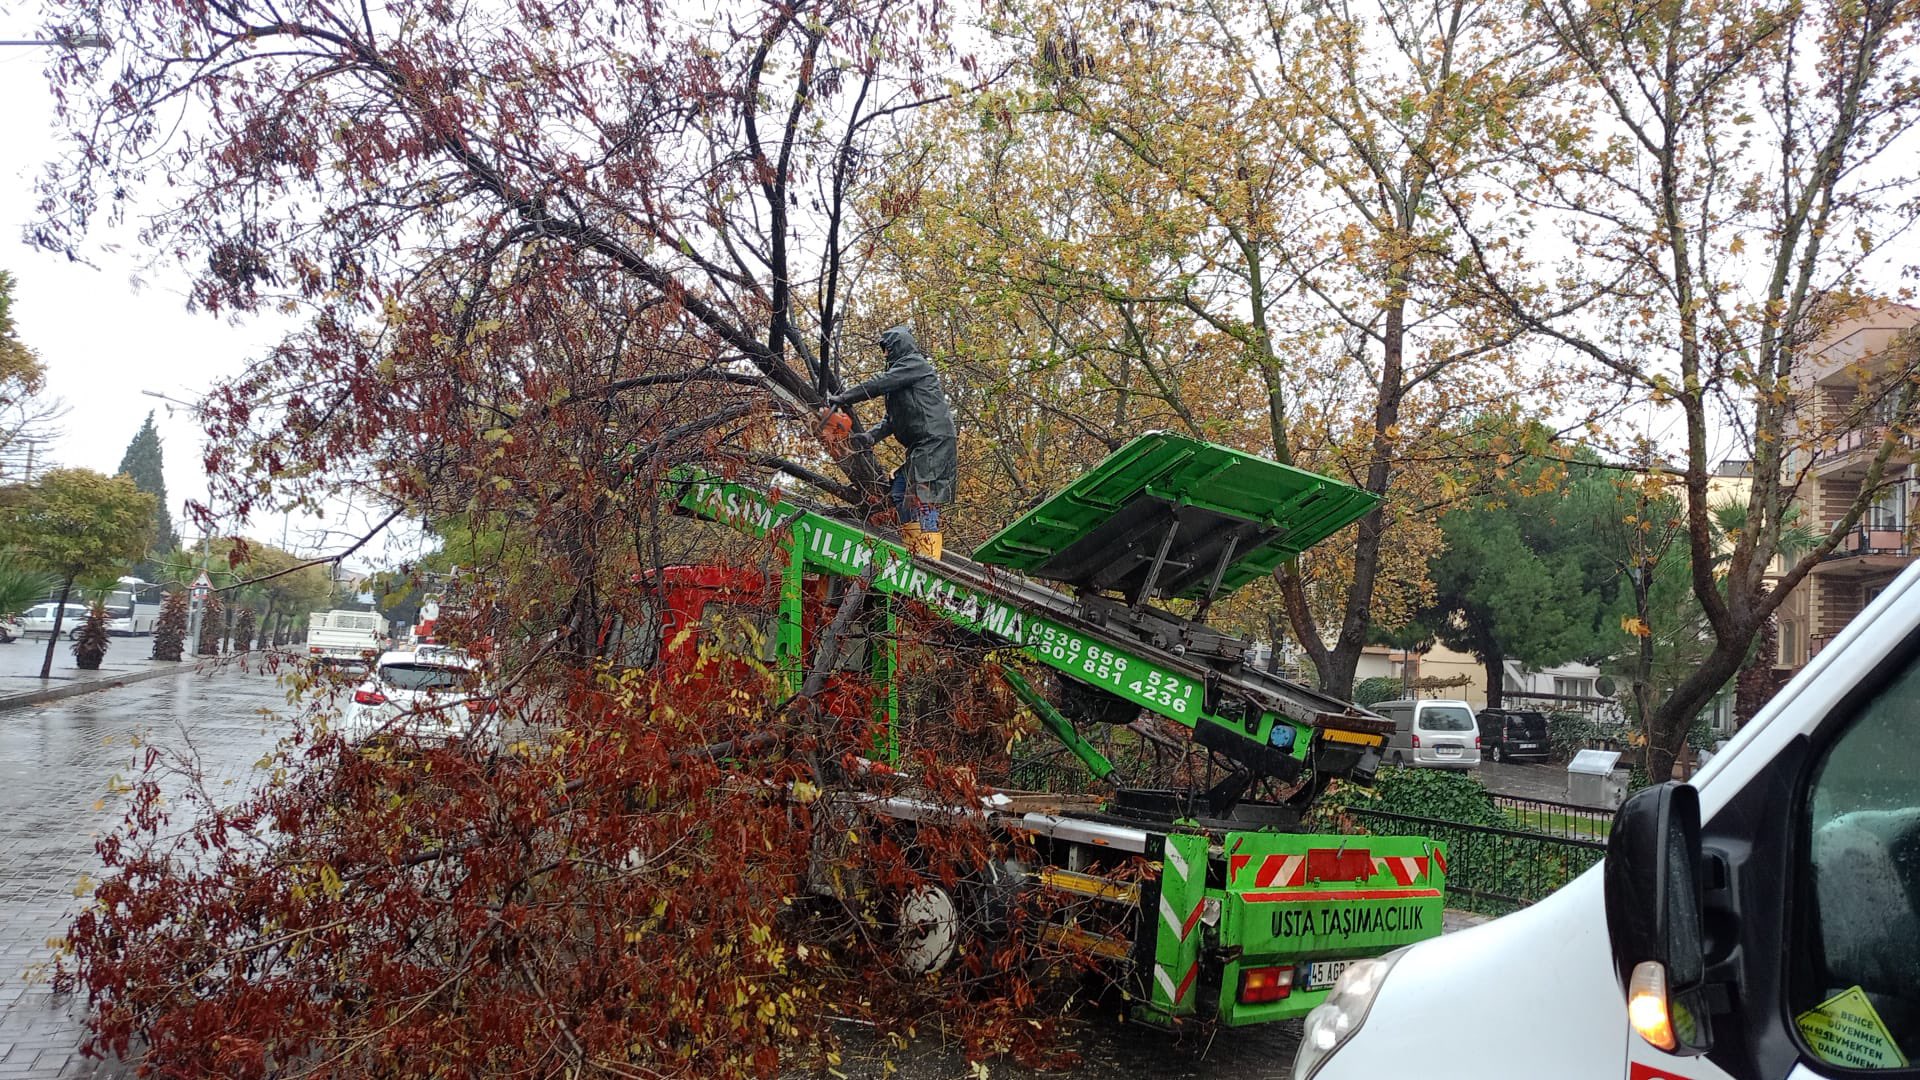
(38, 619)
(429, 693)
(11, 631)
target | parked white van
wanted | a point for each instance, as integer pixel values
(1762, 922)
(1434, 733)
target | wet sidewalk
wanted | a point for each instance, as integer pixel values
(56, 760)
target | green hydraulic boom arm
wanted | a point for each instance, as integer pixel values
(1190, 523)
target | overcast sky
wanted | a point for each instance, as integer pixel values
(109, 331)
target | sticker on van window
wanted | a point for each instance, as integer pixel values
(1844, 1030)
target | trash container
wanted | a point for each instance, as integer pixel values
(1590, 779)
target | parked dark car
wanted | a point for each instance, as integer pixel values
(1514, 735)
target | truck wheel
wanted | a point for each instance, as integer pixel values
(927, 929)
(1399, 758)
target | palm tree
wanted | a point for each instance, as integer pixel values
(90, 640)
(1796, 536)
(21, 586)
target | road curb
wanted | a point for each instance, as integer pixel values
(57, 693)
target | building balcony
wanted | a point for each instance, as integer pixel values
(1867, 551)
(1853, 452)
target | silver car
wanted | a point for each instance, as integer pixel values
(1436, 733)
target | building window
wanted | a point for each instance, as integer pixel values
(1566, 687)
(1888, 510)
(1788, 651)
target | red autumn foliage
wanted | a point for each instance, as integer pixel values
(545, 252)
(629, 880)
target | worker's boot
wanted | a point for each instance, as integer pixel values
(919, 541)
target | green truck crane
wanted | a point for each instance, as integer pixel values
(1241, 913)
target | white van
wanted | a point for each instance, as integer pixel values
(1436, 733)
(1763, 922)
(38, 619)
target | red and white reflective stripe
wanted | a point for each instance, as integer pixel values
(1180, 927)
(1281, 870)
(1178, 862)
(1289, 895)
(1234, 863)
(1175, 993)
(1406, 869)
(1440, 859)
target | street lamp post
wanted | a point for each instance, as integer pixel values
(65, 41)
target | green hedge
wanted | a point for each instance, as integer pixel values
(1373, 691)
(1488, 873)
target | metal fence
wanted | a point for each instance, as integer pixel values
(1550, 818)
(1492, 870)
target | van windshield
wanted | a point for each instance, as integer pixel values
(1445, 718)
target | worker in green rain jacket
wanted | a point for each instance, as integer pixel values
(919, 419)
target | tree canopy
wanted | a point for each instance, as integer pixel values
(1514, 583)
(76, 523)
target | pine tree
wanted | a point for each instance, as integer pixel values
(212, 627)
(142, 463)
(170, 633)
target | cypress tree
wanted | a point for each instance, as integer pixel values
(142, 464)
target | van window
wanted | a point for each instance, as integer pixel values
(1526, 726)
(1855, 993)
(423, 676)
(1446, 718)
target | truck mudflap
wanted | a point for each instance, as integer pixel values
(1259, 926)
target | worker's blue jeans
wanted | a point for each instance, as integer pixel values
(926, 513)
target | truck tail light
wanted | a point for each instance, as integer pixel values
(1261, 985)
(1416, 742)
(314, 649)
(369, 697)
(1476, 742)
(482, 706)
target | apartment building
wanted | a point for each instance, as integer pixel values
(1845, 396)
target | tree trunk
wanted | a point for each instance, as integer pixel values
(53, 637)
(1666, 731)
(1336, 665)
(1756, 683)
(1496, 665)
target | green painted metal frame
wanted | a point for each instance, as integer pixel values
(1304, 508)
(1062, 728)
(837, 547)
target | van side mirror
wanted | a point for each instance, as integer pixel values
(1653, 900)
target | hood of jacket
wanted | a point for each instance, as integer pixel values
(899, 344)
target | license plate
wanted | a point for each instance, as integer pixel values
(1322, 974)
(1447, 751)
